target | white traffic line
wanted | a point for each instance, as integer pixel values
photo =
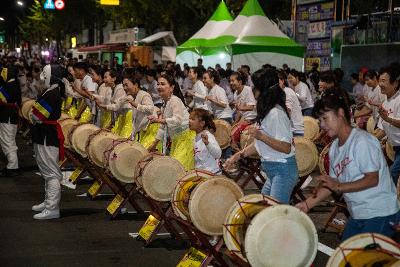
(134, 235)
(98, 195)
(325, 249)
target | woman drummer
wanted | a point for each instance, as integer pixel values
(273, 141)
(389, 122)
(142, 106)
(174, 120)
(357, 169)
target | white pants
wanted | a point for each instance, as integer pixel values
(47, 161)
(7, 142)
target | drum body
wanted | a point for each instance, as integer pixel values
(97, 144)
(66, 126)
(79, 135)
(209, 203)
(223, 133)
(306, 155)
(323, 162)
(280, 236)
(311, 128)
(26, 109)
(158, 175)
(183, 189)
(369, 249)
(238, 218)
(123, 160)
(246, 139)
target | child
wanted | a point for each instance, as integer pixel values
(206, 149)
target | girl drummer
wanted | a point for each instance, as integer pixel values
(389, 82)
(174, 120)
(207, 151)
(273, 141)
(358, 169)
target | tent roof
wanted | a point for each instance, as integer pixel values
(167, 37)
(207, 35)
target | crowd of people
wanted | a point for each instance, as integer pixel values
(171, 109)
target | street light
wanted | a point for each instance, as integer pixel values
(20, 3)
(1, 18)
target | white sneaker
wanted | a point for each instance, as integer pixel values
(47, 215)
(40, 207)
(68, 183)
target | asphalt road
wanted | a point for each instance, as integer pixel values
(85, 235)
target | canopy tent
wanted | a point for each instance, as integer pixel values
(205, 42)
(251, 39)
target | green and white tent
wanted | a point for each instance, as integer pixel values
(205, 43)
(255, 40)
(251, 39)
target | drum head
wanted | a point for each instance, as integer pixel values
(63, 116)
(306, 155)
(98, 144)
(223, 133)
(323, 162)
(160, 176)
(123, 160)
(209, 203)
(281, 236)
(238, 217)
(389, 151)
(66, 126)
(367, 257)
(80, 136)
(246, 139)
(311, 128)
(26, 109)
(183, 189)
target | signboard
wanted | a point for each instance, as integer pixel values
(109, 2)
(310, 61)
(304, 2)
(321, 11)
(49, 4)
(320, 29)
(59, 4)
(123, 36)
(316, 48)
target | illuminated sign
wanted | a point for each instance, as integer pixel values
(49, 4)
(59, 4)
(73, 42)
(109, 2)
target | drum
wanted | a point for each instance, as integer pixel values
(209, 203)
(158, 175)
(281, 236)
(64, 116)
(306, 156)
(311, 128)
(123, 160)
(66, 126)
(368, 249)
(97, 144)
(26, 109)
(238, 218)
(223, 133)
(79, 135)
(389, 151)
(246, 139)
(323, 162)
(371, 125)
(183, 189)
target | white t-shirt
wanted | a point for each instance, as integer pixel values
(296, 117)
(207, 156)
(304, 95)
(200, 93)
(362, 154)
(246, 97)
(88, 84)
(392, 105)
(375, 96)
(219, 112)
(276, 125)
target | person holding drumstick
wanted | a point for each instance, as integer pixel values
(389, 112)
(273, 140)
(174, 120)
(207, 151)
(357, 169)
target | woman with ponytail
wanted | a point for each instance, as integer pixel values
(207, 151)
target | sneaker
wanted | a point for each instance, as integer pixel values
(47, 215)
(68, 183)
(40, 207)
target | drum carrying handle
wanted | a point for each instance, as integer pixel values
(375, 245)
